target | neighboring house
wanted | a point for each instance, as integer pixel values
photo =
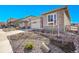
(33, 22)
(56, 19)
(74, 27)
(36, 23)
(27, 22)
(23, 24)
(2, 25)
(12, 22)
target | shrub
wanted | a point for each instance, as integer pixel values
(29, 46)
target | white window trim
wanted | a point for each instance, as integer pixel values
(56, 19)
(53, 18)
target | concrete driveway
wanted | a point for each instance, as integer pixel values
(5, 46)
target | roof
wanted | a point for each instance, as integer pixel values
(30, 16)
(12, 20)
(1, 23)
(57, 10)
(24, 20)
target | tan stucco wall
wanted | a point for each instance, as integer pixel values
(62, 20)
(36, 24)
(66, 20)
(44, 20)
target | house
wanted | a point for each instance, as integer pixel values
(26, 22)
(33, 22)
(2, 25)
(36, 23)
(23, 23)
(12, 22)
(20, 23)
(74, 27)
(57, 19)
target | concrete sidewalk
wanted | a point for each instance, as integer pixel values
(5, 46)
(14, 32)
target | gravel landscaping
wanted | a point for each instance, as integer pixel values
(19, 40)
(65, 43)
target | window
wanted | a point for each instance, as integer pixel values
(52, 18)
(48, 18)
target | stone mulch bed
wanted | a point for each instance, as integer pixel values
(66, 42)
(19, 40)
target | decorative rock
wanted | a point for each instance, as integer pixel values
(45, 48)
(18, 41)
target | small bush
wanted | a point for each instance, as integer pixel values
(29, 46)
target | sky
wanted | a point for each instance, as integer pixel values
(22, 11)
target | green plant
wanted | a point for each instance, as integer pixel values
(29, 46)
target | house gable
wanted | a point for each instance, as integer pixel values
(58, 10)
(66, 19)
(63, 18)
